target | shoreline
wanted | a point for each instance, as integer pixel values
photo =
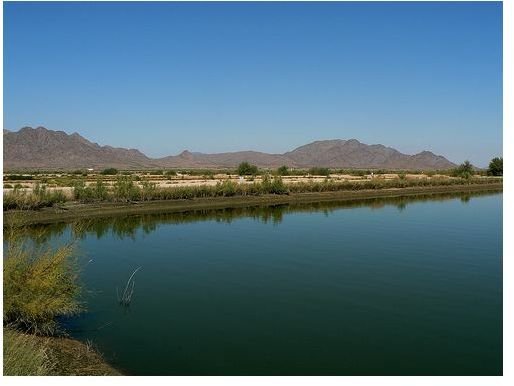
(71, 211)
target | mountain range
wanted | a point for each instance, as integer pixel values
(40, 148)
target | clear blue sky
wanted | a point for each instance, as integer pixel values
(164, 77)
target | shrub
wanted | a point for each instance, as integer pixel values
(465, 170)
(109, 172)
(125, 190)
(278, 186)
(319, 171)
(17, 177)
(40, 285)
(148, 191)
(226, 188)
(246, 169)
(495, 167)
(283, 171)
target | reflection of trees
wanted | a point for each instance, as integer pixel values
(128, 226)
(401, 206)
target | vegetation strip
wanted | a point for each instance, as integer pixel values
(73, 211)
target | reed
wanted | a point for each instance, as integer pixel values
(126, 297)
(38, 197)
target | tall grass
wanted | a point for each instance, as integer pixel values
(38, 198)
(40, 284)
(25, 355)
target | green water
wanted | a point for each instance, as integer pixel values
(376, 287)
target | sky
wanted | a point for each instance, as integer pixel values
(214, 77)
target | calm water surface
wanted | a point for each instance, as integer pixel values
(391, 286)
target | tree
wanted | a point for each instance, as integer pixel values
(496, 167)
(283, 171)
(246, 169)
(464, 170)
(109, 172)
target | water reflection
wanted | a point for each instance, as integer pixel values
(128, 226)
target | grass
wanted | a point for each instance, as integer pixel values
(38, 198)
(25, 355)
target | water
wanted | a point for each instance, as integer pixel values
(378, 287)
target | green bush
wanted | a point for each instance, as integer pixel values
(278, 186)
(85, 193)
(283, 171)
(17, 177)
(495, 167)
(147, 191)
(40, 285)
(109, 172)
(125, 190)
(246, 169)
(319, 171)
(465, 170)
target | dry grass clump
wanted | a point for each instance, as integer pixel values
(25, 354)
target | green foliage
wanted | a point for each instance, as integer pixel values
(17, 177)
(278, 186)
(170, 173)
(402, 176)
(283, 171)
(319, 171)
(40, 285)
(125, 190)
(85, 193)
(226, 188)
(156, 172)
(465, 170)
(208, 174)
(25, 355)
(495, 167)
(246, 169)
(147, 191)
(109, 172)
